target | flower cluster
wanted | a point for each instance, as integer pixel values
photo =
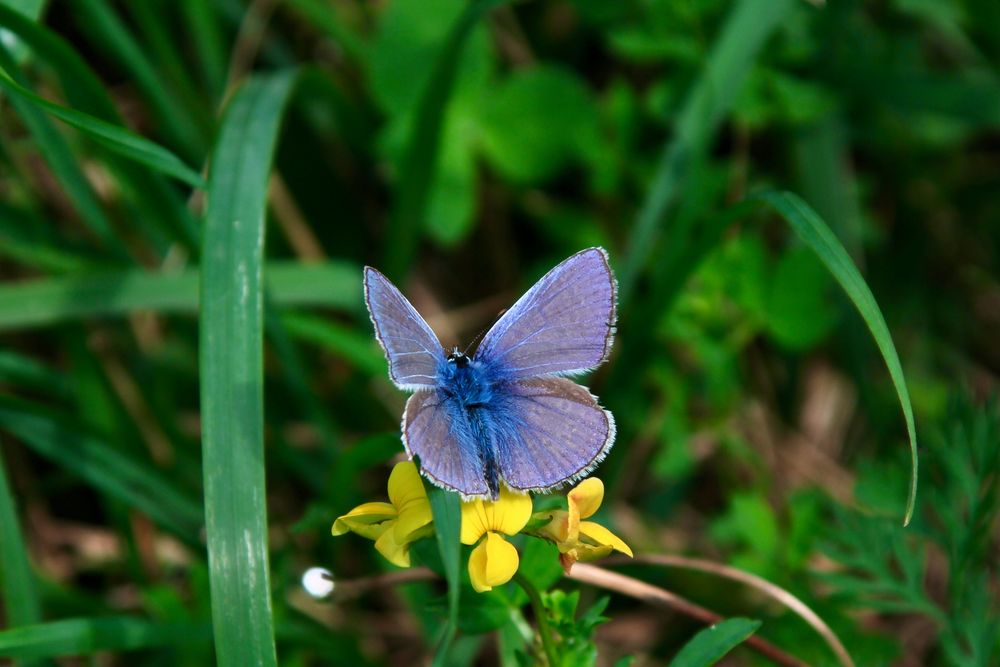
(394, 525)
(493, 561)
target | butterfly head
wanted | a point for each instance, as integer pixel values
(458, 358)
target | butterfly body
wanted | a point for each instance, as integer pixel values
(506, 414)
(465, 392)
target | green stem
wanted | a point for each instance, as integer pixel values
(541, 618)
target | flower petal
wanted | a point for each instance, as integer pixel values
(511, 512)
(361, 519)
(397, 553)
(587, 496)
(557, 528)
(492, 563)
(413, 516)
(473, 521)
(405, 485)
(603, 537)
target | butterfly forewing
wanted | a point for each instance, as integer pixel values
(562, 325)
(556, 433)
(412, 349)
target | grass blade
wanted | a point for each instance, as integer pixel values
(84, 92)
(37, 303)
(17, 580)
(815, 234)
(57, 154)
(110, 34)
(346, 342)
(207, 41)
(232, 367)
(447, 512)
(420, 158)
(106, 468)
(711, 644)
(114, 138)
(84, 636)
(748, 26)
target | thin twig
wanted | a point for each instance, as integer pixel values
(249, 39)
(587, 574)
(349, 588)
(772, 590)
(620, 583)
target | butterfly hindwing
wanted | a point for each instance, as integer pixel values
(412, 349)
(564, 324)
(448, 453)
(555, 432)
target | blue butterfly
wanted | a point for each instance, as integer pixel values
(505, 413)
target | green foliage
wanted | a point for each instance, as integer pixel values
(711, 644)
(887, 569)
(574, 645)
(158, 356)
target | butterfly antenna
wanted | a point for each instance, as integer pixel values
(482, 333)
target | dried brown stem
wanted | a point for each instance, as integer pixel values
(613, 581)
(654, 595)
(771, 590)
(350, 588)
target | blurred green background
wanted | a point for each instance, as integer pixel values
(464, 149)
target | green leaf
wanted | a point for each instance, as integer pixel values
(110, 136)
(711, 644)
(17, 580)
(747, 27)
(106, 468)
(420, 158)
(36, 303)
(815, 234)
(447, 511)
(537, 121)
(799, 313)
(232, 367)
(85, 636)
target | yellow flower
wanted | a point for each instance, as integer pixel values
(495, 560)
(393, 525)
(580, 540)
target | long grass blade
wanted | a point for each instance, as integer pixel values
(84, 92)
(817, 235)
(115, 138)
(110, 34)
(446, 508)
(106, 468)
(232, 400)
(748, 26)
(37, 303)
(85, 636)
(56, 152)
(17, 580)
(421, 154)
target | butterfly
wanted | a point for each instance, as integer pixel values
(507, 413)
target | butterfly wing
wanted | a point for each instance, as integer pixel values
(564, 324)
(445, 444)
(555, 432)
(412, 349)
